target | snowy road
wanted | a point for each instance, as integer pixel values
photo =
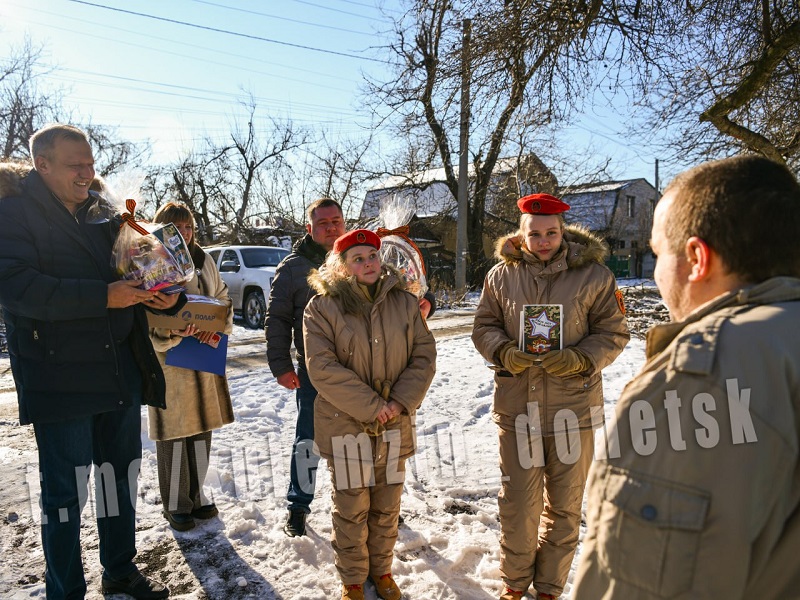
(448, 546)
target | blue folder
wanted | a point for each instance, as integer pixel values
(192, 354)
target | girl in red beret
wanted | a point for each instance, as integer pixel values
(371, 359)
(546, 404)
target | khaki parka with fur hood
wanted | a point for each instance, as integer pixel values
(197, 401)
(351, 343)
(593, 321)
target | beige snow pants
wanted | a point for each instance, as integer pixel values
(540, 506)
(366, 507)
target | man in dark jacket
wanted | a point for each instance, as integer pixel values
(81, 358)
(288, 297)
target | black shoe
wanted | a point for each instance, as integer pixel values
(295, 523)
(209, 511)
(180, 521)
(136, 585)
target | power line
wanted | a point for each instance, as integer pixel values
(271, 16)
(369, 5)
(301, 112)
(267, 102)
(227, 32)
(344, 12)
(102, 26)
(125, 40)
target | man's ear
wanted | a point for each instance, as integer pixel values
(700, 259)
(308, 228)
(40, 163)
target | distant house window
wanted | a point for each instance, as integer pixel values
(631, 206)
(634, 244)
(621, 244)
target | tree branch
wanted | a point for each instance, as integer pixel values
(748, 88)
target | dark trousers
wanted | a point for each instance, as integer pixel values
(112, 442)
(304, 458)
(182, 469)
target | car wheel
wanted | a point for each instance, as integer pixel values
(254, 309)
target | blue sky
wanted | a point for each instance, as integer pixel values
(167, 75)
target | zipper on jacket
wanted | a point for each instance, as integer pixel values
(113, 347)
(547, 425)
(116, 357)
(36, 334)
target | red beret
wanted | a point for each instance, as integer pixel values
(542, 204)
(357, 237)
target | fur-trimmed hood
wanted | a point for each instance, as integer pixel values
(353, 356)
(592, 320)
(330, 283)
(584, 247)
(12, 174)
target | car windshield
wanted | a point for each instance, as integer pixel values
(263, 257)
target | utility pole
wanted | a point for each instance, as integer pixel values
(463, 163)
(658, 191)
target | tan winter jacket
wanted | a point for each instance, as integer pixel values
(701, 497)
(594, 322)
(346, 351)
(197, 401)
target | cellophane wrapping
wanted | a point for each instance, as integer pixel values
(160, 259)
(159, 256)
(397, 251)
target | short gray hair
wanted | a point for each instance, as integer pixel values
(45, 138)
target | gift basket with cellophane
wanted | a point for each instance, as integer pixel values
(397, 248)
(154, 253)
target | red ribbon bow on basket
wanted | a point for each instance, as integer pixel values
(127, 217)
(402, 232)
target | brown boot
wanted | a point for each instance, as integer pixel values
(353, 592)
(386, 587)
(510, 594)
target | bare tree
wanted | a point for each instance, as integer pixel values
(526, 55)
(337, 168)
(227, 185)
(248, 154)
(189, 181)
(712, 77)
(111, 153)
(24, 105)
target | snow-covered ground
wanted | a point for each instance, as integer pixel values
(448, 546)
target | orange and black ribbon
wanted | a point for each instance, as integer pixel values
(402, 232)
(130, 205)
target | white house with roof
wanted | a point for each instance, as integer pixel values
(429, 193)
(425, 190)
(620, 211)
(436, 209)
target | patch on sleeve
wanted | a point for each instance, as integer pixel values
(620, 301)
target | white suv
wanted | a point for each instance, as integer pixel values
(248, 271)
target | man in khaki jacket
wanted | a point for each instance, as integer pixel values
(700, 494)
